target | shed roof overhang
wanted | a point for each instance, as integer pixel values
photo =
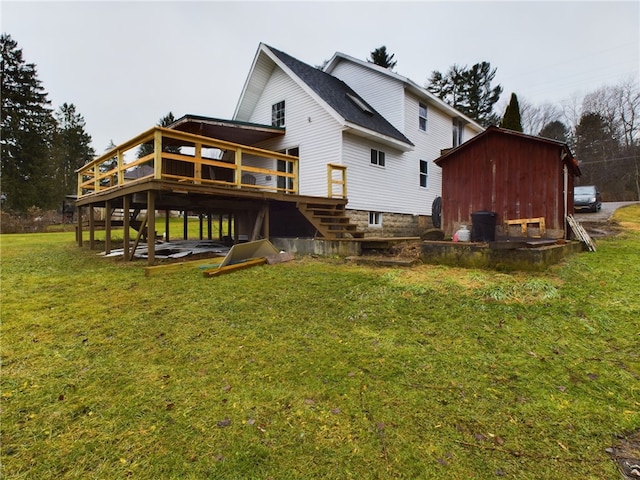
(565, 152)
(229, 130)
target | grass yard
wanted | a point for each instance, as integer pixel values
(316, 369)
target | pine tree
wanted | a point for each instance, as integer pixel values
(380, 57)
(468, 90)
(147, 148)
(26, 173)
(555, 130)
(71, 149)
(512, 119)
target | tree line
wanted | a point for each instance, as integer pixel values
(40, 148)
(602, 128)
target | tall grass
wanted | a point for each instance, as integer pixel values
(314, 368)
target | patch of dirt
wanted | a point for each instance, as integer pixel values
(408, 250)
(601, 229)
(626, 454)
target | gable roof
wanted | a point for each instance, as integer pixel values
(567, 156)
(347, 106)
(409, 85)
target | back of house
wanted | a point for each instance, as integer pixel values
(382, 127)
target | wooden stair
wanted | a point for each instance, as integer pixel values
(330, 220)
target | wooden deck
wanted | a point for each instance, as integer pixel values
(191, 173)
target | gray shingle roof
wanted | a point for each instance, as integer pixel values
(335, 92)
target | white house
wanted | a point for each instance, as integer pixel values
(384, 128)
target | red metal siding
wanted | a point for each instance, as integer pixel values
(513, 176)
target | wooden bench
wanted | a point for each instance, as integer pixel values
(524, 223)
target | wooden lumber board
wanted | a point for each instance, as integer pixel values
(580, 233)
(252, 262)
(174, 267)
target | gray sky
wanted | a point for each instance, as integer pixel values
(126, 64)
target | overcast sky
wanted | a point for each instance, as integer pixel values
(124, 65)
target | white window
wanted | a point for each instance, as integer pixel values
(277, 114)
(286, 183)
(375, 219)
(424, 173)
(377, 158)
(422, 117)
(458, 130)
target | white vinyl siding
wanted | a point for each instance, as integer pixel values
(309, 127)
(376, 189)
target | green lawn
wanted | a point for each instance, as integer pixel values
(316, 369)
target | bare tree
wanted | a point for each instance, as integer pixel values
(536, 117)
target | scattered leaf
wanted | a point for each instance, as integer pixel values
(224, 423)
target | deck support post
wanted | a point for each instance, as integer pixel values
(220, 220)
(79, 228)
(265, 222)
(107, 227)
(209, 225)
(92, 228)
(236, 230)
(166, 224)
(126, 202)
(185, 226)
(201, 219)
(151, 227)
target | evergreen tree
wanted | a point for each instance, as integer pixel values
(512, 119)
(380, 57)
(555, 130)
(147, 148)
(449, 87)
(468, 90)
(71, 149)
(596, 150)
(26, 172)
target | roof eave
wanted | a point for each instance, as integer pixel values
(378, 137)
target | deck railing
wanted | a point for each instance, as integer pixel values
(230, 165)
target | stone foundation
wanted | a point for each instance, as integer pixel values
(393, 224)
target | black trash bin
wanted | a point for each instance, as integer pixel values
(483, 226)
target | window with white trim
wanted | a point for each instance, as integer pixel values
(375, 219)
(424, 173)
(277, 114)
(422, 117)
(377, 157)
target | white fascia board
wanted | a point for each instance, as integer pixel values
(378, 137)
(247, 81)
(409, 84)
(338, 56)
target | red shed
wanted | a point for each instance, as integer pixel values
(517, 176)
